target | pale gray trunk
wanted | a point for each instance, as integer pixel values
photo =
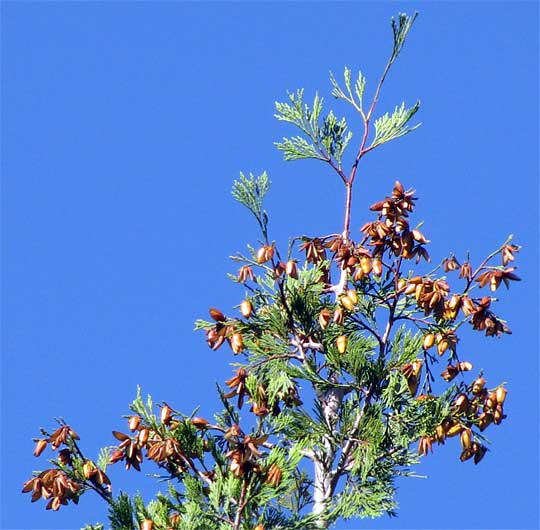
(324, 458)
(321, 492)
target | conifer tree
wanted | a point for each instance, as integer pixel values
(347, 364)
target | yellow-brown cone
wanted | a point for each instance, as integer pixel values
(324, 318)
(352, 295)
(290, 269)
(199, 423)
(134, 422)
(347, 303)
(500, 395)
(40, 447)
(429, 341)
(246, 308)
(216, 314)
(341, 343)
(237, 343)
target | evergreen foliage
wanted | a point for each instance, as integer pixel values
(333, 394)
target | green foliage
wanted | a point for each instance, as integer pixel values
(122, 513)
(328, 139)
(331, 353)
(251, 192)
(400, 29)
(391, 126)
(356, 99)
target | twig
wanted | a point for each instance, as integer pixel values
(241, 505)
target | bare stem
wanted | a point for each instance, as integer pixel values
(241, 505)
(348, 204)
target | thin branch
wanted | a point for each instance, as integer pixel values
(333, 164)
(370, 329)
(241, 505)
(106, 496)
(276, 358)
(482, 265)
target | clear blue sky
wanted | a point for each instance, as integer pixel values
(123, 126)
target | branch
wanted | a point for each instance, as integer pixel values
(370, 329)
(106, 496)
(275, 358)
(350, 443)
(241, 505)
(483, 264)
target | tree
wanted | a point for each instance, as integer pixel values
(338, 342)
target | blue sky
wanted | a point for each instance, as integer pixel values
(123, 127)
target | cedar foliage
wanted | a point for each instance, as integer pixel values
(335, 391)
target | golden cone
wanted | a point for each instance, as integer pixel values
(338, 316)
(377, 267)
(461, 403)
(454, 302)
(134, 422)
(468, 306)
(429, 341)
(274, 475)
(478, 386)
(465, 366)
(246, 308)
(265, 254)
(166, 414)
(290, 269)
(500, 395)
(410, 289)
(352, 295)
(341, 343)
(245, 273)
(365, 264)
(419, 291)
(89, 469)
(144, 434)
(324, 318)
(440, 435)
(358, 275)
(498, 415)
(466, 438)
(237, 343)
(216, 314)
(40, 447)
(175, 518)
(454, 430)
(442, 346)
(347, 303)
(199, 423)
(491, 401)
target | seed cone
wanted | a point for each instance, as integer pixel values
(324, 318)
(40, 447)
(429, 341)
(341, 343)
(216, 314)
(246, 308)
(237, 343)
